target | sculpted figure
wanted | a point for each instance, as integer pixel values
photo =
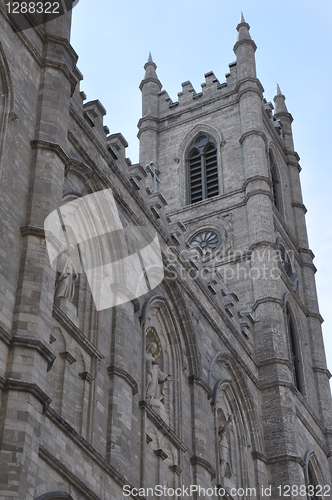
(65, 282)
(155, 378)
(224, 455)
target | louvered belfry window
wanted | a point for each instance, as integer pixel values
(202, 169)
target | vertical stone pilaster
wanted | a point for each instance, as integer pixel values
(25, 398)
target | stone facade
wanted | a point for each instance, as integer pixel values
(235, 391)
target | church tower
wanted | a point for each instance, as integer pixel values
(159, 324)
(228, 169)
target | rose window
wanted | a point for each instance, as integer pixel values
(208, 240)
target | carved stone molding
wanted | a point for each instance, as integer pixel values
(325, 371)
(68, 357)
(86, 448)
(27, 343)
(86, 376)
(33, 389)
(50, 146)
(5, 336)
(162, 426)
(75, 332)
(195, 460)
(176, 469)
(160, 453)
(199, 381)
(114, 370)
(33, 231)
(64, 472)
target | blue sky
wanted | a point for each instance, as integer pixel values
(190, 38)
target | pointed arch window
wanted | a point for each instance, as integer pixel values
(295, 356)
(202, 169)
(312, 484)
(275, 184)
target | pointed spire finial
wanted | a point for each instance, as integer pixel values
(150, 57)
(278, 91)
(242, 20)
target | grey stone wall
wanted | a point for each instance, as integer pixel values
(74, 416)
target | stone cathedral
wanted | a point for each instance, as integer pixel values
(211, 381)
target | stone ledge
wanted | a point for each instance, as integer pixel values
(28, 343)
(86, 448)
(51, 146)
(114, 370)
(33, 389)
(33, 231)
(195, 460)
(64, 472)
(162, 426)
(37, 345)
(79, 336)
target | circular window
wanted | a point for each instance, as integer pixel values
(208, 240)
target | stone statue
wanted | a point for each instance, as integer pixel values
(224, 455)
(155, 378)
(67, 275)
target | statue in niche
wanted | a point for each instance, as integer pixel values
(155, 378)
(67, 275)
(224, 452)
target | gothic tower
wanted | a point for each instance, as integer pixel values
(227, 166)
(159, 322)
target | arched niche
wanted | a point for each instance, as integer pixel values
(313, 476)
(6, 100)
(238, 437)
(160, 328)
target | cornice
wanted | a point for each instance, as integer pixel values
(253, 132)
(39, 232)
(245, 41)
(299, 205)
(276, 360)
(255, 178)
(64, 69)
(114, 370)
(268, 299)
(51, 146)
(28, 387)
(256, 192)
(36, 345)
(263, 243)
(320, 369)
(150, 79)
(28, 343)
(286, 458)
(201, 462)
